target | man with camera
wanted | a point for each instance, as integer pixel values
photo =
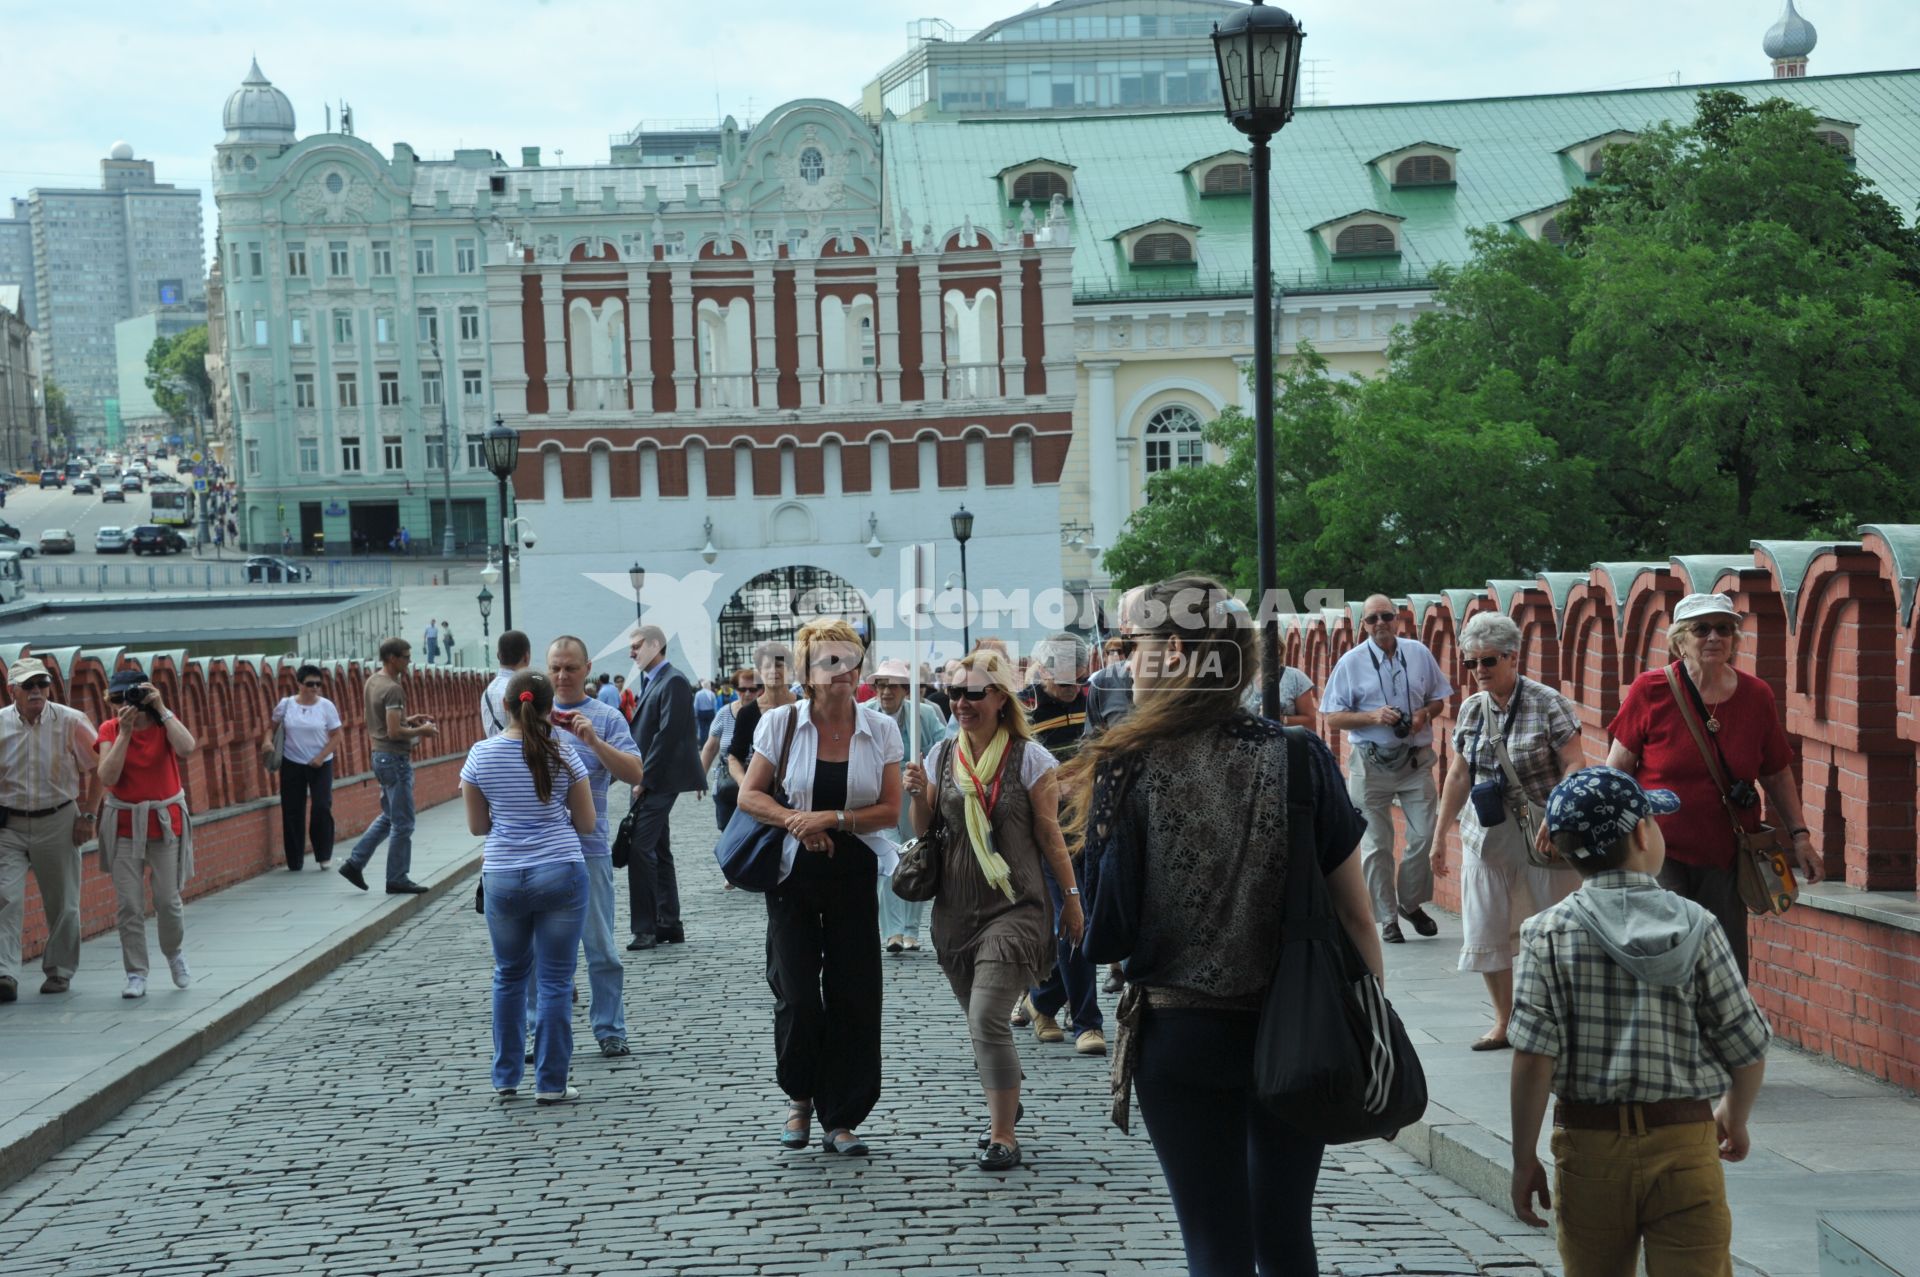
(146, 825)
(46, 796)
(392, 732)
(1384, 694)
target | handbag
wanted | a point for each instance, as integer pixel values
(749, 852)
(1530, 815)
(1762, 868)
(276, 749)
(1331, 1058)
(621, 849)
(917, 876)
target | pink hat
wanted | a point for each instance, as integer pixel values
(895, 670)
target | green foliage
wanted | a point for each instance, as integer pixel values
(1727, 348)
(60, 414)
(177, 361)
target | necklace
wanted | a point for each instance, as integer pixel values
(1713, 721)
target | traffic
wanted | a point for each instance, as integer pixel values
(111, 505)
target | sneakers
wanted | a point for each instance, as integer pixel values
(351, 872)
(181, 976)
(1391, 933)
(1045, 1027)
(1090, 1042)
(136, 986)
(612, 1047)
(567, 1096)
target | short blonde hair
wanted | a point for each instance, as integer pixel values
(825, 629)
(1000, 674)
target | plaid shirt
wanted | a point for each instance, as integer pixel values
(1616, 1039)
(1542, 723)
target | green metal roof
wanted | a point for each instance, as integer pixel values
(1128, 170)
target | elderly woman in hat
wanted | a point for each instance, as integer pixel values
(1741, 723)
(1510, 724)
(900, 919)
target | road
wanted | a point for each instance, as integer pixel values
(33, 510)
(354, 1130)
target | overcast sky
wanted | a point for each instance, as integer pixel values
(80, 75)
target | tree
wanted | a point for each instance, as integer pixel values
(60, 414)
(177, 361)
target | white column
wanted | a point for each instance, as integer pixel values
(639, 338)
(686, 371)
(766, 366)
(1243, 372)
(886, 323)
(506, 342)
(552, 308)
(933, 367)
(1104, 493)
(1013, 355)
(806, 326)
(1056, 308)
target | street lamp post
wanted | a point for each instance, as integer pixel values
(485, 599)
(637, 577)
(1258, 49)
(963, 533)
(503, 454)
(446, 456)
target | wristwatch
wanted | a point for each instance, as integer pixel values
(1073, 891)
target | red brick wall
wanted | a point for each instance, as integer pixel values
(1839, 649)
(237, 811)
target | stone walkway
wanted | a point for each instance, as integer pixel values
(352, 1130)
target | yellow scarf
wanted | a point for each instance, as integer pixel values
(979, 829)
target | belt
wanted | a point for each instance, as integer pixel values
(1630, 1119)
(35, 815)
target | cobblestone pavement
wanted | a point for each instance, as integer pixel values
(354, 1131)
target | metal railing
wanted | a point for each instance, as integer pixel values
(973, 381)
(177, 575)
(1223, 284)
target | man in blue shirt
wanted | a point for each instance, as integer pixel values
(606, 748)
(1384, 694)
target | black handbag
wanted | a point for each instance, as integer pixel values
(917, 876)
(749, 852)
(621, 849)
(1332, 1059)
(1113, 873)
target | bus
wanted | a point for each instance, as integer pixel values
(172, 505)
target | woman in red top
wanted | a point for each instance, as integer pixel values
(1737, 710)
(141, 748)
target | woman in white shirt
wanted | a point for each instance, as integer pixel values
(526, 791)
(312, 742)
(842, 780)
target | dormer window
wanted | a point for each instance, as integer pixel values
(1037, 181)
(1837, 134)
(1422, 164)
(1591, 153)
(1366, 233)
(1227, 173)
(1543, 224)
(1161, 243)
(1550, 233)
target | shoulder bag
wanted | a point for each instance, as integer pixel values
(276, 749)
(1332, 1059)
(1113, 871)
(917, 876)
(1762, 867)
(725, 787)
(1527, 813)
(749, 852)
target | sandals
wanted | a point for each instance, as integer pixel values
(998, 1157)
(1022, 1013)
(1491, 1043)
(803, 1113)
(845, 1143)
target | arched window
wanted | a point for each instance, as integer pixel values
(1228, 179)
(1552, 234)
(1163, 248)
(1835, 139)
(813, 166)
(1174, 439)
(1040, 187)
(1366, 237)
(1422, 170)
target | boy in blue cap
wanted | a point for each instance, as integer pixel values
(1629, 1007)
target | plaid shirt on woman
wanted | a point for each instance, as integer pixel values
(1616, 1039)
(1542, 723)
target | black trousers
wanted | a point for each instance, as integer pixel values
(1718, 892)
(652, 887)
(306, 810)
(1242, 1181)
(823, 965)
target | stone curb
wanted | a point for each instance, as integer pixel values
(26, 1142)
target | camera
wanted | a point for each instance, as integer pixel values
(1403, 728)
(1743, 794)
(528, 539)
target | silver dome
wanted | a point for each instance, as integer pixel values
(258, 112)
(1791, 37)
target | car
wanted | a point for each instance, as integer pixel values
(159, 454)
(14, 545)
(130, 482)
(9, 531)
(152, 538)
(56, 541)
(110, 540)
(113, 490)
(53, 478)
(83, 483)
(273, 568)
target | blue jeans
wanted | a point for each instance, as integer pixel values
(395, 774)
(534, 917)
(1075, 980)
(605, 1009)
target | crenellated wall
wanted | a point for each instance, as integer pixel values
(1832, 628)
(226, 702)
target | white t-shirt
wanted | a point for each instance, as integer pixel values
(526, 832)
(308, 727)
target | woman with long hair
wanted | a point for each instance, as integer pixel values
(992, 920)
(527, 792)
(1202, 785)
(842, 786)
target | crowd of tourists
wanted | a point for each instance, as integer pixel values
(1598, 904)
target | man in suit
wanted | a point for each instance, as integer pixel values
(663, 728)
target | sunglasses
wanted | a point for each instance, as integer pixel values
(1375, 618)
(747, 691)
(1725, 629)
(314, 685)
(972, 693)
(37, 684)
(1481, 663)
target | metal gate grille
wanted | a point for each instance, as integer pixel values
(775, 604)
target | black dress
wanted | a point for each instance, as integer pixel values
(823, 965)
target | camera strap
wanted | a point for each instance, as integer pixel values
(1716, 765)
(1406, 677)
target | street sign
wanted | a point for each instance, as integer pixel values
(196, 460)
(199, 470)
(199, 485)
